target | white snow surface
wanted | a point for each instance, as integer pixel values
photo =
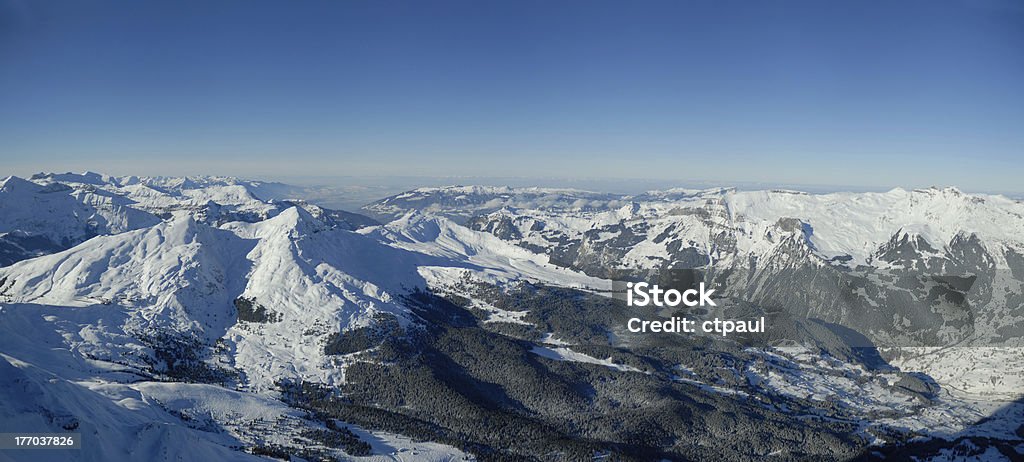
(71, 322)
(74, 324)
(566, 354)
(840, 224)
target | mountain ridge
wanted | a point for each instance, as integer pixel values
(465, 312)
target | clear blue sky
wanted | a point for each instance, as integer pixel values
(872, 93)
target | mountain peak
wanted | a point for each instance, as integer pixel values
(86, 177)
(944, 191)
(294, 222)
(13, 184)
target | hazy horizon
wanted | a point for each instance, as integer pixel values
(352, 192)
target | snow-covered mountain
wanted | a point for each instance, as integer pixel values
(847, 227)
(461, 202)
(923, 268)
(36, 219)
(169, 318)
(833, 256)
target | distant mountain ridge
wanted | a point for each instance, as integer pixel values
(928, 267)
(51, 212)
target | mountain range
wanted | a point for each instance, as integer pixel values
(219, 318)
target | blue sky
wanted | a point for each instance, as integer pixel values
(867, 93)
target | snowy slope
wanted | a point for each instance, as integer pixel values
(856, 224)
(105, 306)
(178, 303)
(763, 245)
(35, 400)
(50, 381)
(493, 259)
(183, 277)
(178, 276)
(316, 280)
(37, 219)
(461, 202)
(842, 224)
